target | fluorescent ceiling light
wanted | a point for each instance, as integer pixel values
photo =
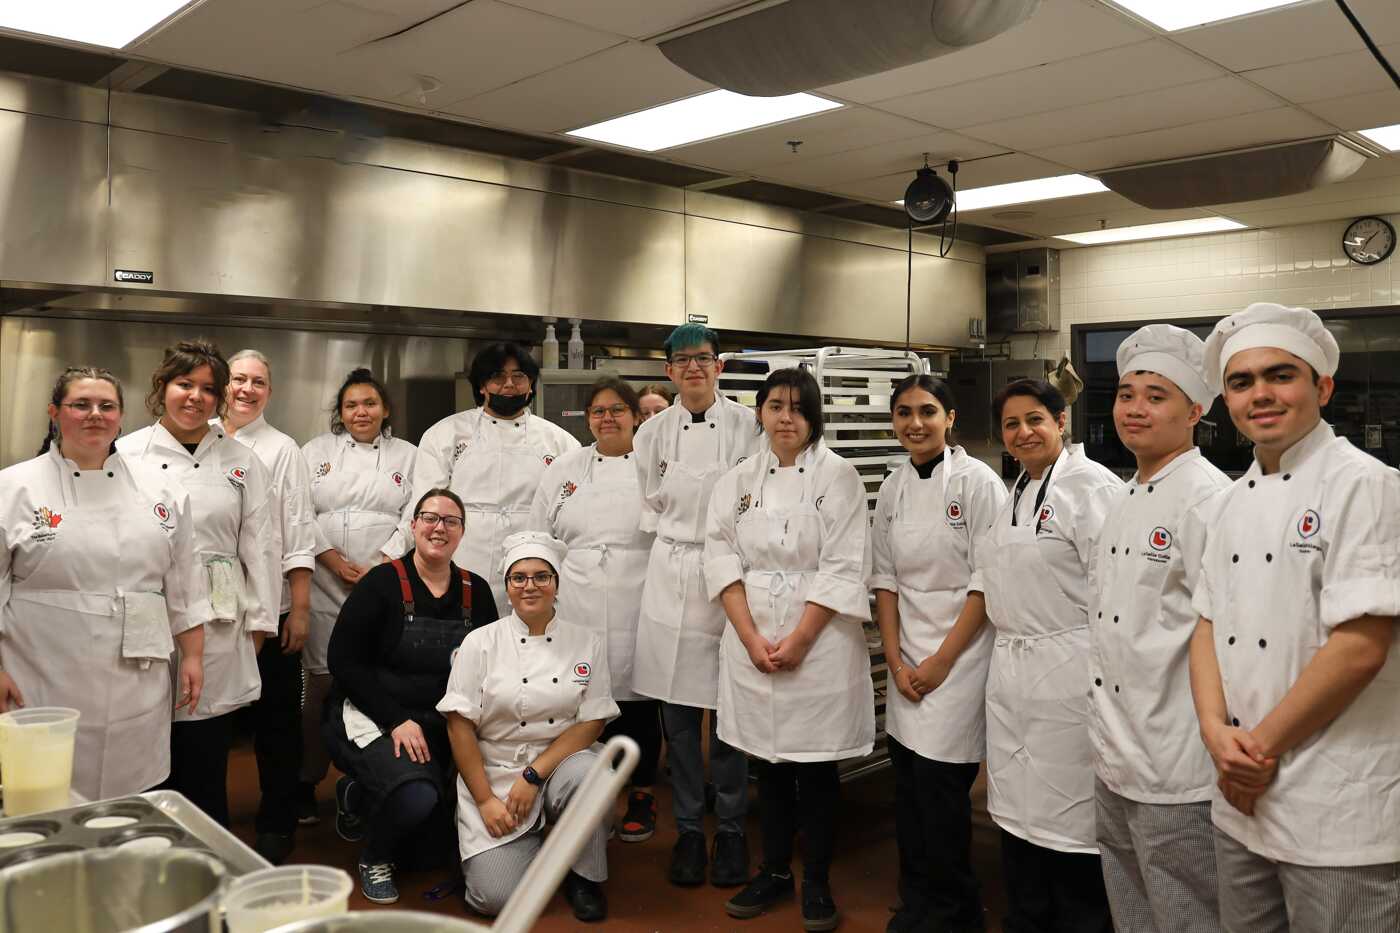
(107, 23)
(1153, 231)
(1027, 192)
(1172, 15)
(716, 113)
(1387, 136)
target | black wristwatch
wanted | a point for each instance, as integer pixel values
(532, 776)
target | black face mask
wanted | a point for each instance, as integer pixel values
(508, 405)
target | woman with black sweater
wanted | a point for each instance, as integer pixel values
(390, 655)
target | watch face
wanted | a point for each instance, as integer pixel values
(1368, 241)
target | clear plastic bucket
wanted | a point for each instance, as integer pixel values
(36, 758)
(279, 896)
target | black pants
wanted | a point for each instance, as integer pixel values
(933, 826)
(199, 763)
(793, 796)
(1052, 892)
(276, 722)
(641, 722)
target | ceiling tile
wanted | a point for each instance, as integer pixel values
(1100, 204)
(638, 20)
(903, 155)
(623, 79)
(1059, 30)
(1101, 76)
(1290, 34)
(1253, 129)
(1175, 106)
(1128, 215)
(1359, 111)
(1331, 76)
(1263, 214)
(977, 173)
(823, 134)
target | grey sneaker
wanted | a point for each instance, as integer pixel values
(377, 883)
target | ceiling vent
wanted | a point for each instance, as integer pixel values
(1243, 175)
(805, 44)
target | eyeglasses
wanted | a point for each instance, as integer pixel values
(617, 411)
(515, 377)
(541, 579)
(703, 360)
(450, 522)
(85, 407)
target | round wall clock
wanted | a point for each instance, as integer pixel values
(1368, 240)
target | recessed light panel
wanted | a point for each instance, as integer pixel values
(1172, 15)
(1387, 136)
(1027, 192)
(113, 24)
(705, 116)
(1153, 231)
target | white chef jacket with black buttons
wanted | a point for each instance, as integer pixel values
(291, 486)
(1289, 557)
(358, 492)
(237, 544)
(1147, 740)
(97, 576)
(522, 691)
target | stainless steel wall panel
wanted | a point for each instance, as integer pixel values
(49, 98)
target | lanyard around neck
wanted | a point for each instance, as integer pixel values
(1021, 485)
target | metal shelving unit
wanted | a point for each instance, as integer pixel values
(855, 384)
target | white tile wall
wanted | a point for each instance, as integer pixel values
(1209, 275)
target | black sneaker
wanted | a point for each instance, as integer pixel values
(586, 898)
(729, 862)
(688, 860)
(348, 825)
(306, 805)
(818, 909)
(639, 822)
(765, 890)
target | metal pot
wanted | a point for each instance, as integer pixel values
(384, 921)
(113, 891)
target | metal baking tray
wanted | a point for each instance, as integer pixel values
(162, 814)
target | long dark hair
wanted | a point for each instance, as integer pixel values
(809, 398)
(933, 386)
(181, 360)
(359, 377)
(60, 391)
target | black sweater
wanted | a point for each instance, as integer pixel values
(369, 627)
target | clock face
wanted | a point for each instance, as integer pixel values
(1368, 241)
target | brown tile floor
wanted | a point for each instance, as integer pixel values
(640, 899)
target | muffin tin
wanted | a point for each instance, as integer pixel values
(165, 818)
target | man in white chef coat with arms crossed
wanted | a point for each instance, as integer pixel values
(1154, 777)
(1293, 663)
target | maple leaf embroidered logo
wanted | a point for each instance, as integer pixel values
(661, 468)
(45, 517)
(567, 490)
(744, 503)
(322, 470)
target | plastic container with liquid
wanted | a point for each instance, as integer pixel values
(575, 345)
(549, 349)
(266, 899)
(36, 758)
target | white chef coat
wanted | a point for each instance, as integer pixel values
(291, 485)
(236, 545)
(594, 505)
(358, 494)
(522, 692)
(679, 460)
(1035, 576)
(792, 536)
(1289, 557)
(1147, 740)
(923, 551)
(495, 465)
(97, 574)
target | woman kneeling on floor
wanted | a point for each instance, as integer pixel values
(527, 699)
(390, 654)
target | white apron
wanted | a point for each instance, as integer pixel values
(497, 482)
(602, 578)
(74, 638)
(358, 501)
(929, 538)
(824, 710)
(679, 629)
(1040, 776)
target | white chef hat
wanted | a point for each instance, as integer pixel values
(539, 544)
(1296, 330)
(1170, 351)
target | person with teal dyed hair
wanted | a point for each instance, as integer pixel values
(681, 452)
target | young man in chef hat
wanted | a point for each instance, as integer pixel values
(1293, 663)
(1154, 777)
